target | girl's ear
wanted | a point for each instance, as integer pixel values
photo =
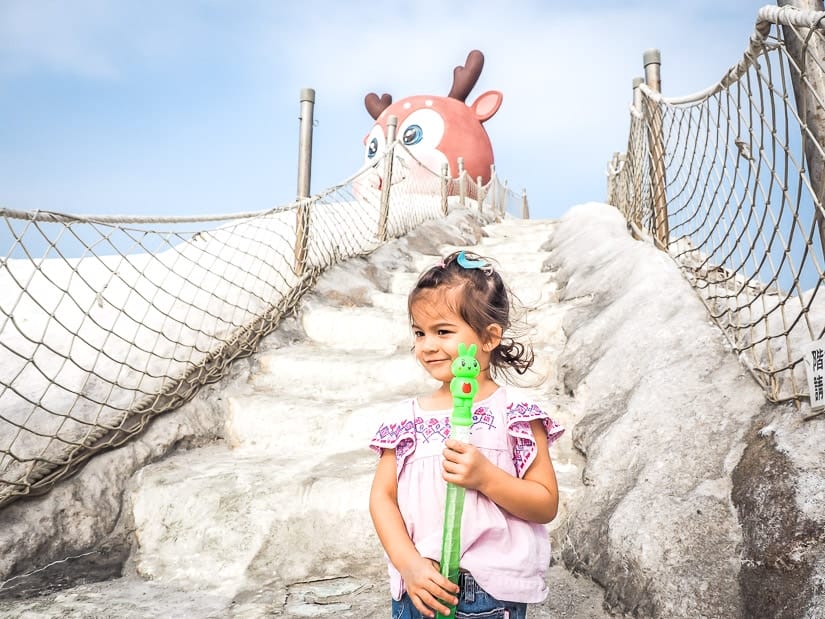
(492, 337)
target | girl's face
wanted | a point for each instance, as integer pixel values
(438, 330)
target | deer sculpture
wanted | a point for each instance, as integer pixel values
(435, 130)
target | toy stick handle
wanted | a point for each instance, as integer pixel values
(453, 508)
(463, 388)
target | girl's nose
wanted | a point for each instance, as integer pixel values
(428, 343)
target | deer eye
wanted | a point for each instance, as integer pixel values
(372, 148)
(412, 135)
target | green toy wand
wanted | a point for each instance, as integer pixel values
(463, 386)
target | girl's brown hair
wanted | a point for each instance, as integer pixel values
(484, 300)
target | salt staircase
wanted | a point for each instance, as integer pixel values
(273, 521)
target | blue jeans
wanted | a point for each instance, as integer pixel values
(473, 603)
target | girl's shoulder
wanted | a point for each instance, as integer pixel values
(397, 428)
(400, 415)
(400, 409)
(523, 406)
(518, 395)
(520, 399)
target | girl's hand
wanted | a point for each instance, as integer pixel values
(464, 465)
(427, 587)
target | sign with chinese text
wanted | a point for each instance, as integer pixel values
(815, 367)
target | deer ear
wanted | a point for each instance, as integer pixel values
(375, 104)
(487, 104)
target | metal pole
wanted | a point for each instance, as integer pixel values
(392, 124)
(652, 60)
(305, 142)
(445, 181)
(808, 59)
(525, 209)
(462, 183)
(304, 173)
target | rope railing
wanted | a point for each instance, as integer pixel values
(108, 321)
(730, 181)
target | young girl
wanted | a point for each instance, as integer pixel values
(506, 469)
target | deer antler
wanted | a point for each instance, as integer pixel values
(375, 105)
(464, 78)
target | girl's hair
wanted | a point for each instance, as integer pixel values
(483, 300)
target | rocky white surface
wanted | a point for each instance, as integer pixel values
(683, 493)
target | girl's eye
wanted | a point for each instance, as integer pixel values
(418, 333)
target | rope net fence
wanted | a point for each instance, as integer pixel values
(730, 181)
(107, 322)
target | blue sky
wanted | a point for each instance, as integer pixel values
(187, 107)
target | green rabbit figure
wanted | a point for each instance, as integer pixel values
(464, 385)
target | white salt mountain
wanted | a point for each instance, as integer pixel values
(683, 493)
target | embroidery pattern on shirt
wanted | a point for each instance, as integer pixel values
(483, 416)
(404, 435)
(435, 427)
(519, 415)
(398, 436)
(438, 428)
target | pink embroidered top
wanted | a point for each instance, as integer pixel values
(507, 556)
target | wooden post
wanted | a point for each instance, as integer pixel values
(301, 235)
(637, 179)
(392, 124)
(806, 88)
(613, 182)
(525, 209)
(637, 94)
(493, 189)
(445, 181)
(304, 174)
(462, 183)
(652, 59)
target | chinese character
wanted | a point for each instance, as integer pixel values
(816, 357)
(817, 388)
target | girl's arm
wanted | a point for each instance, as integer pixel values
(534, 497)
(425, 584)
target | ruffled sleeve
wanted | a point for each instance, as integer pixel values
(397, 432)
(520, 412)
